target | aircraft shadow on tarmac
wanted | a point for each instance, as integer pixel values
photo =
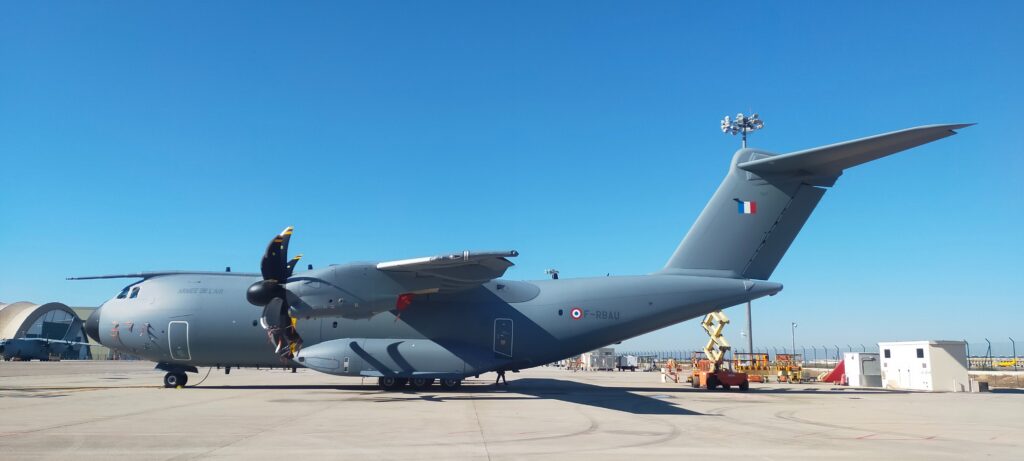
(629, 399)
(609, 397)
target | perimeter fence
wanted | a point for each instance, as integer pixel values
(982, 355)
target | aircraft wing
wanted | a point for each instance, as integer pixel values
(831, 160)
(146, 275)
(456, 271)
(57, 341)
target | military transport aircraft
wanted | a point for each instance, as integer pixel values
(36, 348)
(416, 321)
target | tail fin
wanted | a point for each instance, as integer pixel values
(765, 199)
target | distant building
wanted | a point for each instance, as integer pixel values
(863, 369)
(52, 321)
(600, 359)
(925, 365)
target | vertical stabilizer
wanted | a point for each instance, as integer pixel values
(765, 199)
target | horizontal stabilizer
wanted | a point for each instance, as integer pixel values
(831, 160)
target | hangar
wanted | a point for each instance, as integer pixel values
(54, 321)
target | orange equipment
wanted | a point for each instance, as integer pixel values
(709, 372)
(788, 368)
(709, 376)
(755, 365)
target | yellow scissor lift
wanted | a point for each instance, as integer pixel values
(710, 373)
(755, 364)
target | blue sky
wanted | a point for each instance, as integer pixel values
(147, 135)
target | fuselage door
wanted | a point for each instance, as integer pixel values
(503, 337)
(177, 338)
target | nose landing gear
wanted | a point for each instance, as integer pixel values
(175, 379)
(175, 376)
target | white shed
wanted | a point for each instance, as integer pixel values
(925, 365)
(863, 369)
(600, 359)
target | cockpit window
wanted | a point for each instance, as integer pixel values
(133, 289)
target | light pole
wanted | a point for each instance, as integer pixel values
(792, 330)
(742, 125)
(750, 330)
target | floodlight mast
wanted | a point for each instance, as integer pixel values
(742, 124)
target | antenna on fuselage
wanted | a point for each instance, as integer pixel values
(553, 273)
(742, 125)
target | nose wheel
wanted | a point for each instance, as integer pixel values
(175, 379)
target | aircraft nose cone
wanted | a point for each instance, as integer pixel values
(92, 326)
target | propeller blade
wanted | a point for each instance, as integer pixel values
(291, 265)
(272, 313)
(274, 263)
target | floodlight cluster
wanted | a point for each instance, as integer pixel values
(741, 124)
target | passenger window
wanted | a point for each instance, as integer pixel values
(920, 353)
(887, 353)
(135, 293)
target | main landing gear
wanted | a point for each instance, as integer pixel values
(390, 383)
(175, 379)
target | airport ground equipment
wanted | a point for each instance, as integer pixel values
(708, 375)
(627, 362)
(672, 371)
(601, 359)
(711, 370)
(756, 365)
(788, 368)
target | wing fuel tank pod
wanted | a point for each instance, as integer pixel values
(381, 358)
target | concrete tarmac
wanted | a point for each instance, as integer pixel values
(106, 410)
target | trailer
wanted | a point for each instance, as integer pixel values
(627, 362)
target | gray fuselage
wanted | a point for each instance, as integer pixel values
(204, 320)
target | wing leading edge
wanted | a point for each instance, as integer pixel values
(456, 271)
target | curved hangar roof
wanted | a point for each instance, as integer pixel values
(50, 320)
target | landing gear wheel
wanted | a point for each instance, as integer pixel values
(421, 383)
(744, 386)
(389, 383)
(450, 384)
(172, 380)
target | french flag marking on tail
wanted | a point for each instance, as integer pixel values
(745, 207)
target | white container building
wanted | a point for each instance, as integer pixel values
(863, 369)
(600, 359)
(925, 365)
